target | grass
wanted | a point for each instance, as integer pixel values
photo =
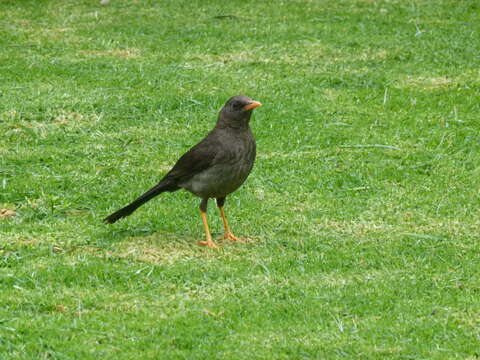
(362, 209)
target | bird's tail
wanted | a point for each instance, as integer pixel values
(130, 208)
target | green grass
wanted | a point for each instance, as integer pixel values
(355, 251)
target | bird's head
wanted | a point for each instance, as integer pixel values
(237, 112)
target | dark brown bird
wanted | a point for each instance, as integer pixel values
(215, 167)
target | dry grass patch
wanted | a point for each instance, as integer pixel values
(128, 53)
(291, 154)
(365, 55)
(9, 115)
(64, 117)
(48, 124)
(7, 213)
(407, 227)
(356, 228)
(161, 248)
(336, 279)
(427, 83)
(299, 53)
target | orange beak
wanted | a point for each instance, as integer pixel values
(252, 105)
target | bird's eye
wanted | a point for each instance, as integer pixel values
(237, 105)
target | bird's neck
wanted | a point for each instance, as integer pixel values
(237, 124)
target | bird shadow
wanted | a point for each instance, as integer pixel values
(161, 241)
(112, 236)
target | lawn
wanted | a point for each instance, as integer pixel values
(362, 211)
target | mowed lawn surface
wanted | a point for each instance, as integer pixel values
(362, 211)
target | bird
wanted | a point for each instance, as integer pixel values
(212, 169)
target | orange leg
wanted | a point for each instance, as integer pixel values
(228, 233)
(209, 241)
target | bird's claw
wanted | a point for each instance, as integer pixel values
(232, 237)
(209, 244)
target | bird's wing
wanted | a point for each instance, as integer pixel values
(205, 154)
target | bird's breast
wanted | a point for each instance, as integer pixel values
(226, 174)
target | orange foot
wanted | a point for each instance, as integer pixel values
(209, 244)
(232, 237)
